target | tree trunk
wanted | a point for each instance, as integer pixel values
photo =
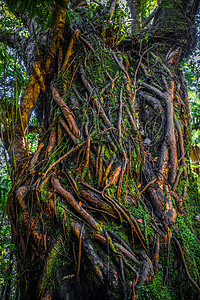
(102, 209)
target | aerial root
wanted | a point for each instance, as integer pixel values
(181, 143)
(62, 157)
(120, 114)
(100, 165)
(185, 266)
(98, 266)
(170, 213)
(35, 158)
(147, 186)
(124, 168)
(66, 112)
(70, 49)
(177, 179)
(112, 82)
(87, 44)
(30, 222)
(95, 201)
(118, 248)
(120, 208)
(114, 177)
(51, 144)
(146, 268)
(71, 200)
(79, 250)
(107, 171)
(87, 154)
(168, 248)
(70, 134)
(179, 200)
(156, 255)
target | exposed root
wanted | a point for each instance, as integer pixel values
(146, 269)
(147, 186)
(79, 251)
(156, 255)
(70, 49)
(170, 213)
(61, 158)
(35, 157)
(74, 139)
(51, 144)
(181, 143)
(70, 199)
(99, 268)
(66, 112)
(168, 248)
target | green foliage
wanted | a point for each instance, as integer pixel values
(55, 260)
(12, 74)
(41, 9)
(154, 290)
(147, 7)
(5, 180)
(7, 268)
(191, 70)
(9, 20)
(114, 30)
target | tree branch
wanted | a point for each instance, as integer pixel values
(134, 6)
(149, 18)
(37, 81)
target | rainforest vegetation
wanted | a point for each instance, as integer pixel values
(99, 111)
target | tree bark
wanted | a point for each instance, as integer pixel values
(94, 207)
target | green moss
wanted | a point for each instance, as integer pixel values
(54, 261)
(190, 244)
(154, 290)
(119, 229)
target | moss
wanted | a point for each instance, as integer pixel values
(54, 262)
(44, 192)
(154, 290)
(190, 244)
(119, 229)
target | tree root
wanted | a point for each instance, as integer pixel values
(66, 112)
(181, 143)
(73, 138)
(170, 213)
(146, 269)
(70, 199)
(70, 50)
(62, 157)
(97, 263)
(156, 255)
(168, 248)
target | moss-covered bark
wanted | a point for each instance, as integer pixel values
(104, 208)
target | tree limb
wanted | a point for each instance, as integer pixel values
(149, 18)
(134, 6)
(37, 81)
